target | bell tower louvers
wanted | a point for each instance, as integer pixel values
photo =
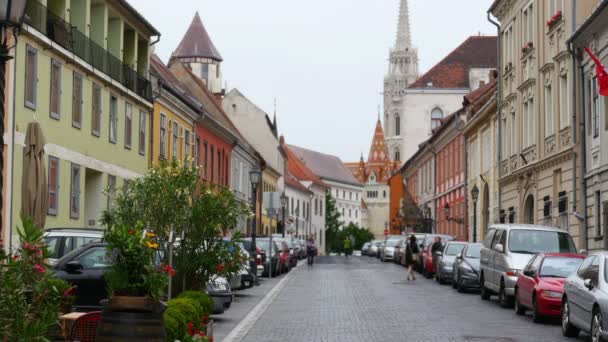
(402, 71)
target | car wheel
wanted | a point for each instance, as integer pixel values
(519, 309)
(485, 294)
(454, 282)
(503, 298)
(568, 329)
(536, 316)
(460, 286)
(597, 329)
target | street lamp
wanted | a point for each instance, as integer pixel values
(11, 15)
(283, 205)
(446, 211)
(255, 176)
(475, 196)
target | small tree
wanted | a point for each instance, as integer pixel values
(332, 225)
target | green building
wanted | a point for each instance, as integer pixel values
(81, 70)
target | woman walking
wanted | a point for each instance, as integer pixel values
(412, 253)
(311, 249)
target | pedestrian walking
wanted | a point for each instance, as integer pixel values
(412, 255)
(437, 246)
(347, 245)
(311, 249)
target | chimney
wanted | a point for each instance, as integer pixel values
(282, 140)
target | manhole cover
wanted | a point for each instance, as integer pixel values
(488, 338)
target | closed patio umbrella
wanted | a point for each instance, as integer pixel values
(34, 188)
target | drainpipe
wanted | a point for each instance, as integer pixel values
(583, 127)
(498, 99)
(466, 185)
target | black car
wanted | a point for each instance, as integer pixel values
(275, 260)
(466, 268)
(84, 268)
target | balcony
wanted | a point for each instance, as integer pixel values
(61, 32)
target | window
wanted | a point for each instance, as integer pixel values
(554, 7)
(474, 160)
(111, 191)
(316, 206)
(508, 47)
(582, 270)
(291, 206)
(350, 212)
(77, 101)
(55, 89)
(562, 204)
(142, 132)
(186, 146)
(605, 216)
(96, 111)
(356, 213)
(163, 136)
(321, 208)
(125, 185)
(205, 160)
(94, 259)
(175, 129)
(197, 152)
(397, 154)
(211, 165)
(397, 125)
(31, 77)
(597, 213)
(595, 108)
(548, 111)
(113, 119)
(128, 125)
(436, 117)
(564, 111)
(75, 192)
(485, 138)
(205, 72)
(53, 185)
(547, 207)
(528, 127)
(513, 133)
(511, 215)
(219, 167)
(527, 24)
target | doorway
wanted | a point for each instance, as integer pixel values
(529, 210)
(485, 212)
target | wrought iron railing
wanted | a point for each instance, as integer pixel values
(69, 37)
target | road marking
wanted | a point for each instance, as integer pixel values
(239, 332)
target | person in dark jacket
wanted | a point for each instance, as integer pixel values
(412, 254)
(436, 247)
(311, 249)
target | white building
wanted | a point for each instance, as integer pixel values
(414, 106)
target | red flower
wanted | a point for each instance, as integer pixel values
(190, 329)
(219, 268)
(169, 270)
(39, 252)
(69, 291)
(205, 318)
(15, 258)
(39, 268)
(28, 246)
(132, 231)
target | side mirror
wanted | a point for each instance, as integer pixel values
(499, 248)
(73, 267)
(588, 284)
(529, 273)
(583, 252)
(459, 256)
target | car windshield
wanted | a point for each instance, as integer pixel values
(264, 244)
(392, 243)
(473, 251)
(558, 267)
(454, 248)
(52, 243)
(540, 241)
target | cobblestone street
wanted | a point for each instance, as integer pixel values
(362, 299)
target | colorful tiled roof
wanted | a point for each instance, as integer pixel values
(197, 43)
(299, 170)
(325, 166)
(161, 70)
(453, 71)
(292, 181)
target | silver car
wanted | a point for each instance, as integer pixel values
(388, 252)
(445, 270)
(585, 299)
(373, 248)
(507, 249)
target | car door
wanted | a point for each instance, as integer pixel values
(526, 281)
(575, 289)
(486, 254)
(494, 260)
(92, 288)
(587, 297)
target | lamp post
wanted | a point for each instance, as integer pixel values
(475, 196)
(11, 16)
(297, 218)
(255, 176)
(283, 205)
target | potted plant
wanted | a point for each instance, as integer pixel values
(136, 284)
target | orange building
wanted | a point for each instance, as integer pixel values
(397, 222)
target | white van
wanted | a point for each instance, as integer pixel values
(507, 249)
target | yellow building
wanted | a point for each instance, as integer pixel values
(175, 114)
(270, 183)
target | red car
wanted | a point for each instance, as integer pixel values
(427, 259)
(540, 286)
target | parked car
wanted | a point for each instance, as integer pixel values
(220, 292)
(388, 252)
(365, 248)
(288, 247)
(447, 257)
(273, 262)
(61, 241)
(260, 256)
(466, 268)
(585, 299)
(248, 279)
(400, 251)
(373, 248)
(427, 267)
(298, 249)
(540, 286)
(506, 251)
(381, 248)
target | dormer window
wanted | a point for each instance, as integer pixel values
(436, 117)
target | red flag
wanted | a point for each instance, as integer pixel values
(602, 74)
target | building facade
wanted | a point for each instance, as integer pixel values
(94, 107)
(396, 216)
(539, 167)
(374, 175)
(593, 107)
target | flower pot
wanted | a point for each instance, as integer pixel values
(131, 319)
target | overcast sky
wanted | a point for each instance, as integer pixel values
(323, 60)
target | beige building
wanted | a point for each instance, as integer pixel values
(538, 162)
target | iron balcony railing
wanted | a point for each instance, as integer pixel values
(61, 32)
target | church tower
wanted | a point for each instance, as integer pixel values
(198, 52)
(402, 71)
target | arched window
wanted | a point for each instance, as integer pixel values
(397, 125)
(436, 116)
(397, 154)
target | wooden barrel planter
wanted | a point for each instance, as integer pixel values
(131, 319)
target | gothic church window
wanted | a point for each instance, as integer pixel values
(436, 117)
(397, 154)
(397, 125)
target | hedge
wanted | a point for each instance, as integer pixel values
(203, 299)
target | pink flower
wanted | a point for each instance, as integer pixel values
(39, 252)
(69, 291)
(28, 246)
(39, 268)
(15, 258)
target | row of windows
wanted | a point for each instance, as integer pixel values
(350, 195)
(350, 213)
(31, 101)
(375, 194)
(450, 161)
(75, 188)
(294, 208)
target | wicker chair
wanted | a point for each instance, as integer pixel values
(85, 327)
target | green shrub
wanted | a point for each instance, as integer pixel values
(189, 308)
(173, 328)
(203, 299)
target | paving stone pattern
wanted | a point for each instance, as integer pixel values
(363, 299)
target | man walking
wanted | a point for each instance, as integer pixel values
(436, 247)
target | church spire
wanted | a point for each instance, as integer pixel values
(404, 39)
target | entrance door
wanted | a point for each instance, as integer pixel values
(529, 210)
(485, 213)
